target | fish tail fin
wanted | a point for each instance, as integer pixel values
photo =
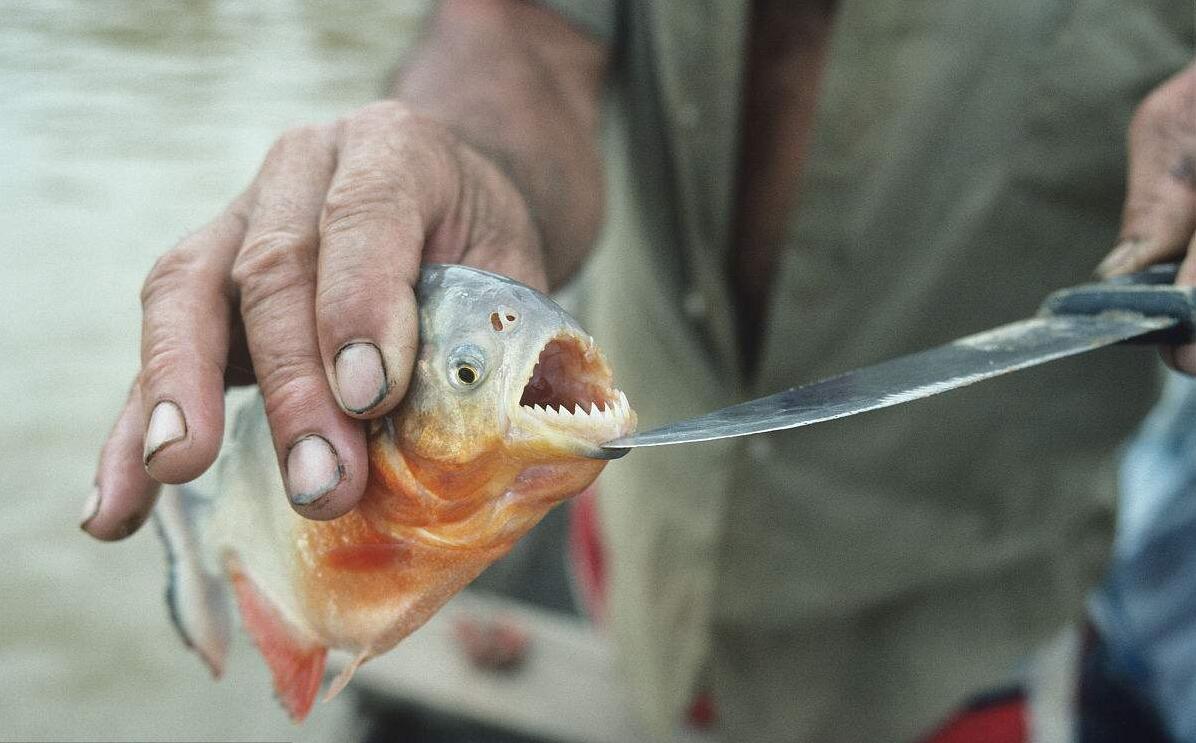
(342, 679)
(296, 662)
(197, 600)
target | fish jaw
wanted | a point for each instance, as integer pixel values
(366, 584)
(568, 405)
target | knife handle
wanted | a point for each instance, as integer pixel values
(1151, 292)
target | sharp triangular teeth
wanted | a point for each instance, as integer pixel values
(538, 409)
(593, 408)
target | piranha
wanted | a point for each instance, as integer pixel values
(508, 402)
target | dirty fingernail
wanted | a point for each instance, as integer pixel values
(166, 426)
(91, 507)
(360, 376)
(312, 470)
(1120, 260)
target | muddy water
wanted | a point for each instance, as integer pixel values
(123, 125)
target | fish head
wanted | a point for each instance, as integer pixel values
(508, 391)
(508, 404)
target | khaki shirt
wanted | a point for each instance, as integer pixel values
(859, 579)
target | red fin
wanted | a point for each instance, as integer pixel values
(297, 663)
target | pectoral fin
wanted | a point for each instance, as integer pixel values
(296, 660)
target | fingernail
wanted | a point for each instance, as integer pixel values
(1120, 260)
(91, 507)
(360, 376)
(312, 470)
(166, 426)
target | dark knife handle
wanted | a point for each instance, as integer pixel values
(1151, 292)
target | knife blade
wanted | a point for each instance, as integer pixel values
(1143, 307)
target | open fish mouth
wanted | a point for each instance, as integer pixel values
(569, 391)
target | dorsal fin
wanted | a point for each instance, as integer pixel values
(296, 661)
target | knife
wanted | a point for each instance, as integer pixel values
(1141, 308)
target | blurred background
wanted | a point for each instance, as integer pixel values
(124, 124)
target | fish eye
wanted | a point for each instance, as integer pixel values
(466, 374)
(466, 366)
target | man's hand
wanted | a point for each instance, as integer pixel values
(304, 285)
(1159, 219)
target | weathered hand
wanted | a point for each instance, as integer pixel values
(1159, 219)
(304, 285)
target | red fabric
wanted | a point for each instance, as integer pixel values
(702, 714)
(998, 722)
(586, 553)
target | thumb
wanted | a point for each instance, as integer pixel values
(1159, 216)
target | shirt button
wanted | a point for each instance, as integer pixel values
(694, 305)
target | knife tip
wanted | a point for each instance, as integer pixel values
(612, 450)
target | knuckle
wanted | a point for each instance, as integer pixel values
(358, 295)
(162, 359)
(351, 294)
(270, 262)
(171, 270)
(291, 387)
(297, 139)
(166, 356)
(404, 161)
(389, 113)
(360, 191)
(337, 298)
(401, 135)
(363, 198)
(282, 218)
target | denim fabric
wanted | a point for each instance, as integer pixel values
(1146, 609)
